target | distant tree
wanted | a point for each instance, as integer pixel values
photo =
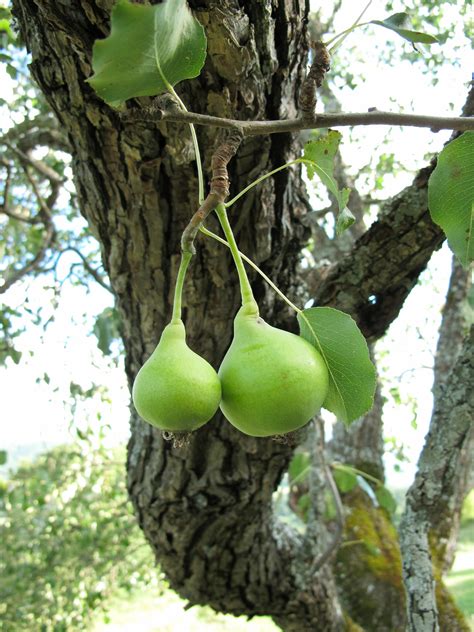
(68, 537)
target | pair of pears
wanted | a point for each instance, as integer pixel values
(270, 381)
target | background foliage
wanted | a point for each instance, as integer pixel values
(69, 538)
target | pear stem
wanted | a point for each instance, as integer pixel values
(251, 263)
(178, 290)
(245, 289)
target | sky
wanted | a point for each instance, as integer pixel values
(36, 413)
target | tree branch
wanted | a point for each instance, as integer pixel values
(373, 281)
(340, 119)
(16, 275)
(92, 271)
(428, 497)
(45, 213)
(39, 165)
(219, 189)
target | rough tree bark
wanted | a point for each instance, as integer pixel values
(454, 325)
(206, 509)
(430, 496)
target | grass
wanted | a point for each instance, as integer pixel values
(153, 612)
(149, 612)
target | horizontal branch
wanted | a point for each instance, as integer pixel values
(340, 119)
(373, 281)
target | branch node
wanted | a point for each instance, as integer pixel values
(314, 80)
(219, 187)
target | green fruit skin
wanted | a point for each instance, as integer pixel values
(272, 381)
(176, 389)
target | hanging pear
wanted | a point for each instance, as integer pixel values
(176, 389)
(272, 381)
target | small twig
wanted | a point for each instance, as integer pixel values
(6, 189)
(340, 119)
(47, 219)
(336, 540)
(45, 207)
(314, 79)
(92, 271)
(219, 188)
(4, 207)
(33, 264)
(39, 165)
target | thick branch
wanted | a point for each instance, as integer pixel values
(428, 497)
(373, 281)
(341, 119)
(452, 332)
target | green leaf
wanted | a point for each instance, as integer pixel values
(149, 49)
(451, 195)
(304, 504)
(345, 219)
(299, 467)
(344, 349)
(371, 548)
(106, 328)
(345, 481)
(385, 499)
(319, 159)
(3, 457)
(398, 22)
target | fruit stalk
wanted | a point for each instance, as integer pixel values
(178, 290)
(248, 299)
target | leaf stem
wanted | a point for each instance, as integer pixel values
(209, 233)
(245, 289)
(342, 36)
(353, 470)
(297, 161)
(196, 147)
(178, 290)
(258, 180)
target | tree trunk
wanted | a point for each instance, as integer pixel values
(206, 508)
(454, 326)
(430, 498)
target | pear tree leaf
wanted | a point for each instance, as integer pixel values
(451, 195)
(371, 548)
(345, 219)
(299, 467)
(3, 457)
(385, 499)
(399, 23)
(344, 349)
(318, 156)
(345, 480)
(149, 49)
(107, 329)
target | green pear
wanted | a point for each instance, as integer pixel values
(176, 389)
(272, 381)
